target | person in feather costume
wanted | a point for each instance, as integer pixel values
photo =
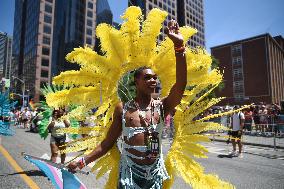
(140, 121)
(5, 117)
(98, 83)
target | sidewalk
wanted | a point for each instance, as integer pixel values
(254, 140)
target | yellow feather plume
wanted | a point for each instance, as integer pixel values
(95, 85)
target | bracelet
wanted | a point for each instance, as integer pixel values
(181, 53)
(81, 163)
(180, 49)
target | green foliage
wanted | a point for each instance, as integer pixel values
(215, 65)
(126, 87)
(46, 114)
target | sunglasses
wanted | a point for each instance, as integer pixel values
(148, 77)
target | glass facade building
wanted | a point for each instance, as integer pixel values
(104, 15)
(44, 32)
(74, 27)
(5, 55)
(186, 12)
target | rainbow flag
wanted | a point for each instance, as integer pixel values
(60, 177)
(32, 105)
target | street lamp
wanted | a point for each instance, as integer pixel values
(28, 91)
(22, 81)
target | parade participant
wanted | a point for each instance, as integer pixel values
(238, 120)
(57, 139)
(137, 160)
(140, 122)
(26, 117)
(5, 117)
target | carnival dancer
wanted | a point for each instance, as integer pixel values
(140, 122)
(137, 162)
(57, 139)
(5, 117)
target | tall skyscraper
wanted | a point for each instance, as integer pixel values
(186, 12)
(104, 14)
(44, 32)
(191, 13)
(253, 70)
(5, 55)
(74, 27)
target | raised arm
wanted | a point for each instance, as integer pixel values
(112, 136)
(176, 92)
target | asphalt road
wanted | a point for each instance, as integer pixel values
(260, 168)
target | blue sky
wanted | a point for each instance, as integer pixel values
(225, 20)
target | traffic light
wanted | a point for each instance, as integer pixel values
(12, 95)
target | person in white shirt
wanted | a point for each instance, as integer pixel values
(26, 117)
(237, 126)
(57, 139)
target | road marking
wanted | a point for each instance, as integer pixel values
(14, 164)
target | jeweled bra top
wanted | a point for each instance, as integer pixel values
(153, 131)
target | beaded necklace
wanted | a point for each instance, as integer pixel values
(152, 138)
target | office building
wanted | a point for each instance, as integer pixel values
(44, 32)
(186, 12)
(104, 15)
(5, 55)
(253, 70)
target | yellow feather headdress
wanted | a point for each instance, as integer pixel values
(126, 49)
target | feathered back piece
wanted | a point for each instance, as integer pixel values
(46, 112)
(96, 85)
(5, 108)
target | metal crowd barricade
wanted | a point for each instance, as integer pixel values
(266, 130)
(269, 131)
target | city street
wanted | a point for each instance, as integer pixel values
(259, 168)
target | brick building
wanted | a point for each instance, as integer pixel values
(253, 70)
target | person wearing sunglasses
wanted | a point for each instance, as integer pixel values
(140, 123)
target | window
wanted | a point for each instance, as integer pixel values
(90, 14)
(90, 5)
(42, 84)
(238, 72)
(47, 19)
(89, 40)
(89, 23)
(237, 60)
(47, 29)
(44, 62)
(45, 51)
(236, 49)
(46, 40)
(239, 96)
(48, 8)
(89, 31)
(238, 86)
(44, 73)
